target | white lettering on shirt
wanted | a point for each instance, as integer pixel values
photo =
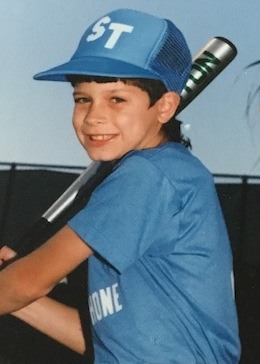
(117, 29)
(103, 303)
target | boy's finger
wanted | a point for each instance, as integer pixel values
(6, 253)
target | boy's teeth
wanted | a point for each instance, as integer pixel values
(100, 137)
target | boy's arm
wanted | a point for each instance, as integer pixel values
(32, 277)
(58, 321)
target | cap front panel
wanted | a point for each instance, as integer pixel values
(127, 36)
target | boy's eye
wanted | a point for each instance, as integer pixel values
(81, 100)
(117, 100)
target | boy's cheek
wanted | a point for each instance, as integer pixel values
(76, 124)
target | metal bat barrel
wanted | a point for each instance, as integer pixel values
(207, 64)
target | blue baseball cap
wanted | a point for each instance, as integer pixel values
(127, 43)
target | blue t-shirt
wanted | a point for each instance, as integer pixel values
(160, 287)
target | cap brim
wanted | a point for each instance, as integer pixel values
(95, 66)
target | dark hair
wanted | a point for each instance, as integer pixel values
(155, 90)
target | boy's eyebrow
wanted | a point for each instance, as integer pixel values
(75, 93)
(79, 92)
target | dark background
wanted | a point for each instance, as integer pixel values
(25, 194)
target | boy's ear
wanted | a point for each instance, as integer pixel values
(167, 106)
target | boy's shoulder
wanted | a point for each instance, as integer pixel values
(172, 160)
(168, 154)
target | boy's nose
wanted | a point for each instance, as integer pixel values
(95, 115)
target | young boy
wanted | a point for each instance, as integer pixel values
(160, 266)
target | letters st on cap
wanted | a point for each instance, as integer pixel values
(115, 30)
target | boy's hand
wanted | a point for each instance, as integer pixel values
(6, 254)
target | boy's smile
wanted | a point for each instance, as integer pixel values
(111, 119)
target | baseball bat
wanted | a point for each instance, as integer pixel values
(207, 64)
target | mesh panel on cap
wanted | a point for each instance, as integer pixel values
(173, 60)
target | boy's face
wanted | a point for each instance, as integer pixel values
(111, 119)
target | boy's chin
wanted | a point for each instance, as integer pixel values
(100, 157)
(106, 155)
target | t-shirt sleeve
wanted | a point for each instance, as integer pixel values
(127, 212)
